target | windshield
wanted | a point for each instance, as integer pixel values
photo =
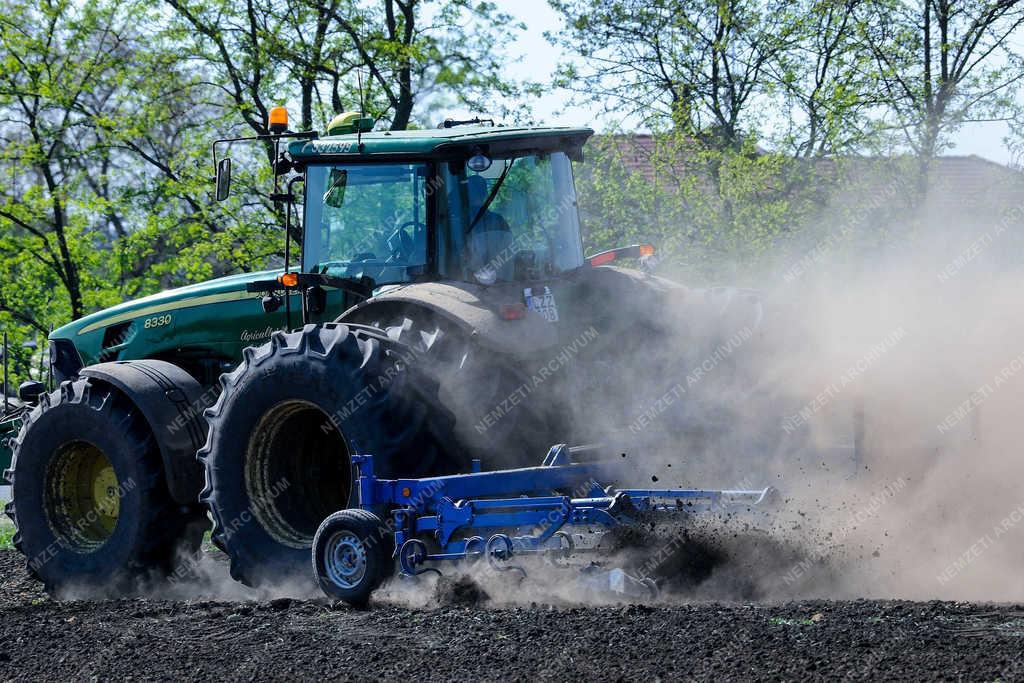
(514, 221)
(366, 220)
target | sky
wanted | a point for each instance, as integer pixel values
(533, 58)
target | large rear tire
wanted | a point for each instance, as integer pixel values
(90, 501)
(484, 391)
(277, 456)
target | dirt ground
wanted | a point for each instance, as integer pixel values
(301, 639)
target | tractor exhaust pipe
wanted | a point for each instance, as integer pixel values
(6, 404)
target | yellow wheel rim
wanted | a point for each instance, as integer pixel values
(83, 499)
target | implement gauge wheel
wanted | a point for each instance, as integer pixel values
(352, 555)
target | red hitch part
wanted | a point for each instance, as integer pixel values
(634, 251)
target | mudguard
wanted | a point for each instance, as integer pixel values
(584, 298)
(172, 403)
(472, 308)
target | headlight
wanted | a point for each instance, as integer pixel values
(479, 163)
(64, 359)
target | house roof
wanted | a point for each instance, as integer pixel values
(963, 183)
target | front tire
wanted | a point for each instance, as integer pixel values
(89, 496)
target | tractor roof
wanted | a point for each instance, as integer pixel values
(436, 142)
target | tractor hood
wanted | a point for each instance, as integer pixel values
(202, 327)
(228, 288)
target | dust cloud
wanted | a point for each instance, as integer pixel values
(882, 395)
(875, 379)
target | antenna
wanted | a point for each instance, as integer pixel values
(362, 110)
(359, 81)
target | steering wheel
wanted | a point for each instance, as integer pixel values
(402, 243)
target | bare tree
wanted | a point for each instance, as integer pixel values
(944, 63)
(826, 81)
(698, 66)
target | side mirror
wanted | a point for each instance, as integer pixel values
(30, 391)
(223, 178)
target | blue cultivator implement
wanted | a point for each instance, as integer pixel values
(492, 515)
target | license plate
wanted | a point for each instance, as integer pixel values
(542, 302)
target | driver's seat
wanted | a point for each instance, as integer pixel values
(490, 243)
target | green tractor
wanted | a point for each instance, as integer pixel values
(442, 312)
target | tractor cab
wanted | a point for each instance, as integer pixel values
(478, 204)
(482, 219)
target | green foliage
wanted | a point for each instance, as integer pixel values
(706, 210)
(411, 55)
(108, 110)
(751, 100)
(939, 65)
(700, 68)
